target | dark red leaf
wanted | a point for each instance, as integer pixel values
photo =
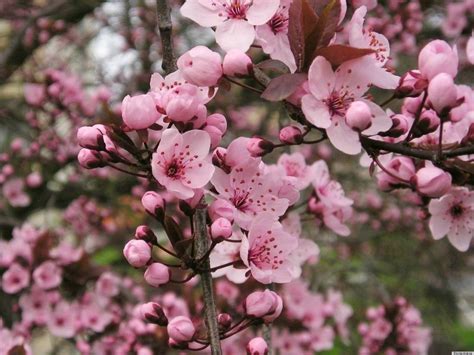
(338, 53)
(273, 65)
(283, 86)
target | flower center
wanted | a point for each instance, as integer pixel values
(457, 211)
(338, 103)
(278, 23)
(173, 169)
(237, 9)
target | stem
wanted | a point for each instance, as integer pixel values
(251, 88)
(126, 171)
(417, 116)
(202, 246)
(165, 27)
(267, 330)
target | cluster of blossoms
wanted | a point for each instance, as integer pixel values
(394, 329)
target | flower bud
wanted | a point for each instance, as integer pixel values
(221, 208)
(182, 103)
(291, 135)
(428, 122)
(137, 252)
(400, 126)
(157, 274)
(442, 93)
(154, 204)
(224, 320)
(91, 137)
(237, 63)
(145, 233)
(201, 66)
(221, 229)
(90, 159)
(438, 57)
(260, 304)
(217, 120)
(359, 116)
(173, 344)
(257, 346)
(35, 94)
(215, 134)
(218, 158)
(258, 147)
(411, 84)
(401, 167)
(181, 329)
(152, 312)
(139, 112)
(432, 181)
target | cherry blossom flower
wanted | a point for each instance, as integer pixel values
(62, 321)
(453, 214)
(331, 94)
(266, 249)
(15, 279)
(227, 252)
(250, 191)
(47, 275)
(295, 169)
(13, 190)
(179, 162)
(273, 36)
(234, 19)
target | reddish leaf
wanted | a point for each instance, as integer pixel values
(283, 86)
(273, 65)
(301, 22)
(338, 53)
(323, 32)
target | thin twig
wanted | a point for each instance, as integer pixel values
(165, 27)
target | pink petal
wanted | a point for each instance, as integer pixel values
(198, 141)
(198, 174)
(316, 111)
(200, 14)
(235, 34)
(261, 11)
(460, 237)
(343, 137)
(439, 226)
(321, 78)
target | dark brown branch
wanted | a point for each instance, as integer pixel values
(201, 238)
(165, 27)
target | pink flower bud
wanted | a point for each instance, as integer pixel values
(157, 274)
(137, 252)
(91, 137)
(224, 320)
(217, 120)
(257, 346)
(34, 179)
(263, 304)
(153, 203)
(291, 135)
(237, 63)
(442, 93)
(201, 66)
(145, 233)
(181, 329)
(152, 312)
(400, 167)
(139, 112)
(215, 134)
(258, 147)
(432, 181)
(411, 84)
(400, 126)
(438, 57)
(90, 159)
(359, 116)
(182, 103)
(428, 122)
(221, 229)
(221, 208)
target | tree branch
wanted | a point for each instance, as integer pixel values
(165, 27)
(201, 240)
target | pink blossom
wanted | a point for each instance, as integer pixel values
(257, 346)
(250, 192)
(295, 168)
(47, 275)
(438, 57)
(180, 164)
(35, 94)
(227, 252)
(94, 317)
(181, 329)
(200, 66)
(234, 20)
(331, 94)
(15, 279)
(273, 36)
(14, 193)
(453, 214)
(266, 249)
(108, 285)
(139, 112)
(470, 49)
(62, 320)
(237, 63)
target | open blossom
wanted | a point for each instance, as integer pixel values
(14, 193)
(15, 279)
(331, 94)
(250, 192)
(227, 252)
(47, 275)
(266, 249)
(180, 162)
(234, 19)
(273, 36)
(453, 214)
(295, 168)
(62, 321)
